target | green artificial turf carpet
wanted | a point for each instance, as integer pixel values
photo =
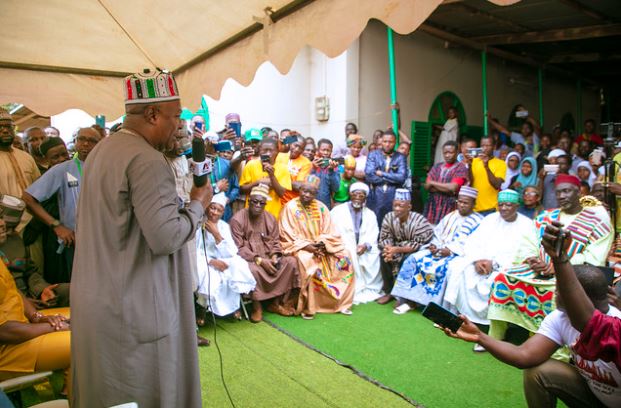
(265, 368)
(409, 355)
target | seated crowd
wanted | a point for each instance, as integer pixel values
(300, 227)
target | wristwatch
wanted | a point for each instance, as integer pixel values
(55, 224)
(258, 260)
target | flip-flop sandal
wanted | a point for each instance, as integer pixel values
(307, 316)
(478, 348)
(347, 312)
(402, 309)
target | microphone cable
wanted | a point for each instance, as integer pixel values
(213, 317)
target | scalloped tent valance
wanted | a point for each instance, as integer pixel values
(58, 55)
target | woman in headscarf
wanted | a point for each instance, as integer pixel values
(513, 164)
(585, 173)
(527, 175)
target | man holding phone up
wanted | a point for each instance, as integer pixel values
(486, 174)
(265, 170)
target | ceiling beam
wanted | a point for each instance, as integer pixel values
(563, 34)
(587, 11)
(470, 43)
(583, 57)
(489, 16)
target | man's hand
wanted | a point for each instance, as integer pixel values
(389, 253)
(549, 239)
(483, 266)
(58, 322)
(64, 233)
(443, 252)
(318, 162)
(223, 185)
(333, 164)
(268, 168)
(269, 267)
(468, 331)
(246, 152)
(219, 265)
(211, 227)
(361, 249)
(48, 293)
(432, 248)
(229, 134)
(203, 194)
(615, 188)
(537, 264)
(484, 158)
(378, 173)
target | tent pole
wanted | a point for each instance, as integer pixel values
(484, 89)
(393, 83)
(540, 88)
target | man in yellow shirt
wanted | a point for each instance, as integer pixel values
(299, 166)
(265, 170)
(486, 174)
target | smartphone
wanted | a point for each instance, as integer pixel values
(474, 152)
(560, 242)
(198, 126)
(521, 114)
(236, 126)
(550, 168)
(265, 158)
(339, 160)
(442, 317)
(290, 139)
(325, 162)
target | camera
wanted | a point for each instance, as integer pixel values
(474, 152)
(265, 158)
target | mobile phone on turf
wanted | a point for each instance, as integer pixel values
(442, 317)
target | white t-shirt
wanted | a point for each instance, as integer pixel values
(604, 378)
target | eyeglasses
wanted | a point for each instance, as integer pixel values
(531, 193)
(254, 201)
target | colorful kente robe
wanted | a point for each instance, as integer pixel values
(520, 296)
(423, 276)
(327, 282)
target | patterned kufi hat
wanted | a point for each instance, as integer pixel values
(567, 178)
(312, 181)
(351, 139)
(5, 115)
(261, 190)
(232, 117)
(402, 194)
(509, 196)
(150, 87)
(467, 191)
(359, 186)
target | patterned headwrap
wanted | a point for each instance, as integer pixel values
(261, 190)
(466, 191)
(509, 196)
(359, 186)
(312, 181)
(150, 87)
(232, 117)
(351, 139)
(402, 194)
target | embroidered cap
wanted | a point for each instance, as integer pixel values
(231, 117)
(5, 115)
(466, 191)
(261, 190)
(509, 196)
(402, 194)
(150, 87)
(567, 178)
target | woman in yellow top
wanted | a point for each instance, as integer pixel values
(30, 341)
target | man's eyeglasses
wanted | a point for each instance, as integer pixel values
(254, 201)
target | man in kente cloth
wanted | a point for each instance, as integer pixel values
(307, 232)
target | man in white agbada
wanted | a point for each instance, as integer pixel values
(424, 274)
(503, 239)
(358, 228)
(222, 274)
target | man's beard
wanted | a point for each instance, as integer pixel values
(357, 206)
(6, 142)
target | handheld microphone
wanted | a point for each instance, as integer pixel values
(201, 166)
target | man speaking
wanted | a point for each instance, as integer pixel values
(132, 315)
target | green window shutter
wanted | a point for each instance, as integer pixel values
(472, 132)
(420, 155)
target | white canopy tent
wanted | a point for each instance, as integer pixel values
(61, 54)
